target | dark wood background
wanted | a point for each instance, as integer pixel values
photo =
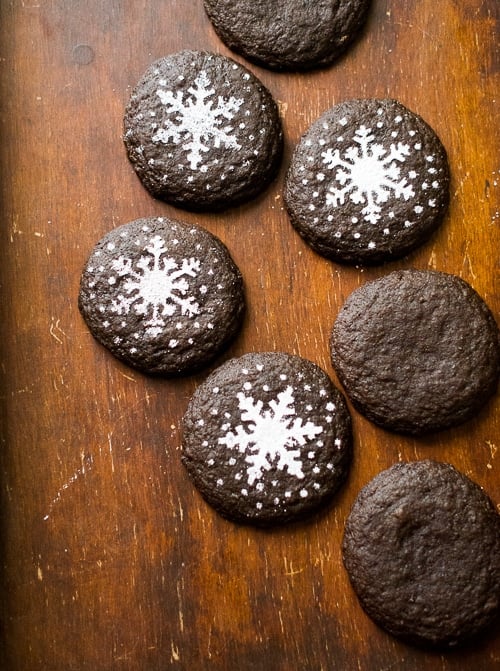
(111, 560)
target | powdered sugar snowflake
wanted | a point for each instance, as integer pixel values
(157, 284)
(198, 120)
(367, 174)
(271, 436)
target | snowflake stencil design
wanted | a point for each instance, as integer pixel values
(157, 284)
(198, 120)
(270, 437)
(367, 174)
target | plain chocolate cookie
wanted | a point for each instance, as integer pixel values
(288, 34)
(267, 438)
(368, 182)
(422, 550)
(202, 132)
(416, 350)
(161, 295)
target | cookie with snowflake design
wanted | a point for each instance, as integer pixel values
(163, 296)
(368, 182)
(422, 549)
(202, 132)
(416, 351)
(288, 34)
(267, 438)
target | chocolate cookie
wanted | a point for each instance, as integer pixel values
(368, 182)
(161, 295)
(288, 34)
(422, 550)
(201, 131)
(416, 350)
(267, 438)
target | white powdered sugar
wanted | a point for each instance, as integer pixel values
(198, 119)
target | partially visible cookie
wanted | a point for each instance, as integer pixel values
(201, 131)
(163, 296)
(416, 350)
(421, 547)
(288, 34)
(368, 182)
(267, 438)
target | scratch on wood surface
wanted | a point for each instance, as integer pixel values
(461, 183)
(54, 326)
(431, 263)
(209, 641)
(289, 570)
(495, 216)
(493, 451)
(181, 510)
(282, 108)
(24, 390)
(15, 230)
(280, 617)
(128, 377)
(181, 614)
(110, 447)
(493, 448)
(87, 462)
(468, 261)
(411, 26)
(175, 652)
(139, 403)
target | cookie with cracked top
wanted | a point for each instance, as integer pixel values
(368, 182)
(416, 350)
(202, 132)
(421, 547)
(163, 296)
(267, 438)
(288, 34)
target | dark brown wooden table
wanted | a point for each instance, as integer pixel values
(111, 559)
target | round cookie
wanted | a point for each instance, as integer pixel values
(421, 547)
(288, 34)
(416, 350)
(368, 182)
(161, 295)
(202, 132)
(267, 438)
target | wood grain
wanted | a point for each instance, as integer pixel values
(111, 560)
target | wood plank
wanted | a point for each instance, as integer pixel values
(111, 560)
